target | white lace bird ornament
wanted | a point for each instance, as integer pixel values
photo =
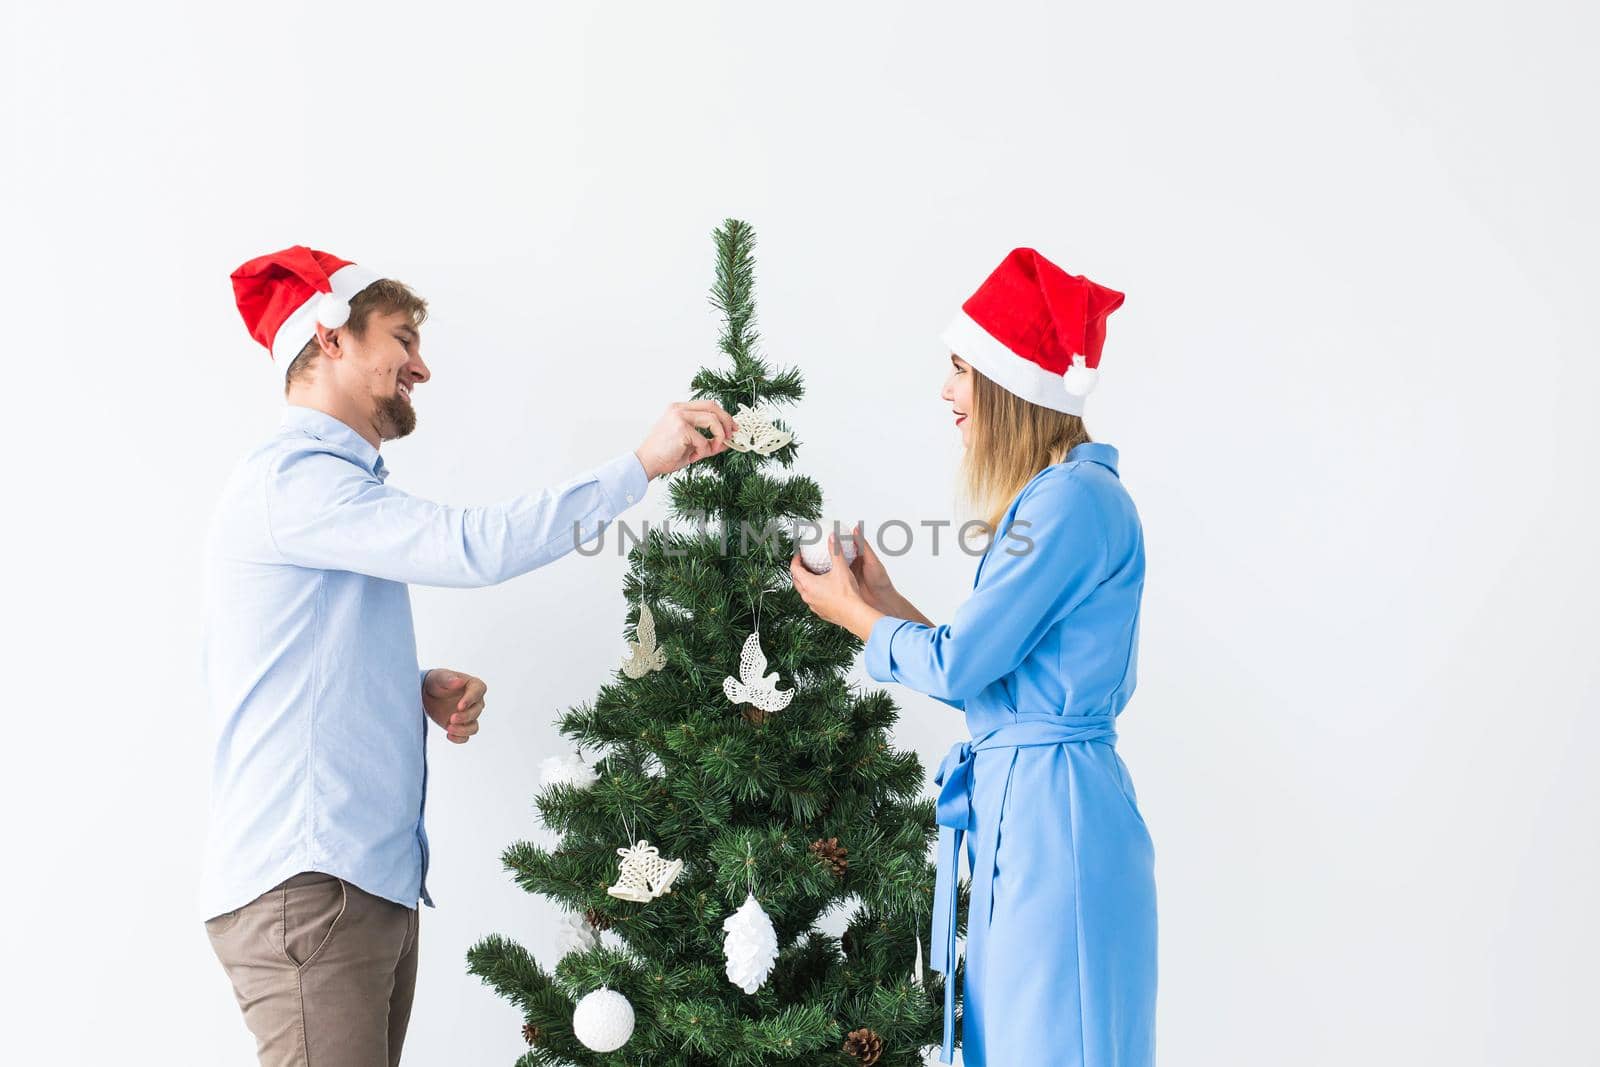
(644, 655)
(753, 686)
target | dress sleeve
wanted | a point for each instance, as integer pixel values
(1052, 556)
(326, 512)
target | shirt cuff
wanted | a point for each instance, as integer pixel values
(879, 642)
(622, 481)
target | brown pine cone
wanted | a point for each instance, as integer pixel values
(864, 1045)
(531, 1034)
(832, 853)
(754, 715)
(597, 920)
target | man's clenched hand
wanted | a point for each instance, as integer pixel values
(454, 701)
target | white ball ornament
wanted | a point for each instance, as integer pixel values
(603, 1020)
(816, 556)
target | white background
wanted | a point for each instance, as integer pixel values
(1352, 386)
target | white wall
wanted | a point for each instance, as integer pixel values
(1352, 386)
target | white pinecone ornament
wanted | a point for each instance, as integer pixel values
(751, 945)
(643, 875)
(603, 1020)
(567, 770)
(575, 933)
(754, 686)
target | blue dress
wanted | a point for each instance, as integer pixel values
(1061, 934)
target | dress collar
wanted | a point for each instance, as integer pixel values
(325, 427)
(1096, 452)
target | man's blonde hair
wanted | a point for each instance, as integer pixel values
(382, 297)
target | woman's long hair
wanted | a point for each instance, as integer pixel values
(1011, 441)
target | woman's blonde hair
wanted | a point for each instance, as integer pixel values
(1011, 440)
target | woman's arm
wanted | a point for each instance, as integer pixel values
(890, 602)
(1024, 589)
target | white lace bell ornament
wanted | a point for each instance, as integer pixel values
(643, 655)
(643, 875)
(756, 432)
(751, 945)
(603, 1020)
(753, 686)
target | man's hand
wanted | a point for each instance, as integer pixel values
(676, 441)
(454, 701)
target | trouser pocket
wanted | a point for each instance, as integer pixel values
(312, 905)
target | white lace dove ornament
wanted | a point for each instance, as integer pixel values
(753, 686)
(643, 655)
(642, 875)
(751, 945)
(756, 432)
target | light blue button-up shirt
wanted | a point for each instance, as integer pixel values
(310, 661)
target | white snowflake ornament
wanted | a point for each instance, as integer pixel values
(603, 1020)
(643, 875)
(753, 686)
(643, 655)
(756, 432)
(751, 945)
(576, 934)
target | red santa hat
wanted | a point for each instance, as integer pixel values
(1035, 330)
(283, 295)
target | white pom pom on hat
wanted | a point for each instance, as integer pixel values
(332, 312)
(1080, 378)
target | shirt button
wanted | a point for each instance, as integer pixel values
(630, 498)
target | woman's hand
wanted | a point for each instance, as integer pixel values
(870, 573)
(837, 596)
(876, 588)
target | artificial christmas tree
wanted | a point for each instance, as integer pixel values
(759, 791)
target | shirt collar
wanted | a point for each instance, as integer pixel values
(1097, 452)
(325, 427)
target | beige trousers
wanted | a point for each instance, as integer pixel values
(323, 971)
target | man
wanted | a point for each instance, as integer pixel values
(316, 853)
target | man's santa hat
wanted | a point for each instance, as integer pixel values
(283, 295)
(1035, 330)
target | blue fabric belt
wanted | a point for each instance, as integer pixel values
(955, 821)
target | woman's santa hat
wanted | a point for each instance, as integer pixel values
(1035, 330)
(283, 295)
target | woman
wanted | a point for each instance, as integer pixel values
(1061, 935)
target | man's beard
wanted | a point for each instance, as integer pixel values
(396, 417)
